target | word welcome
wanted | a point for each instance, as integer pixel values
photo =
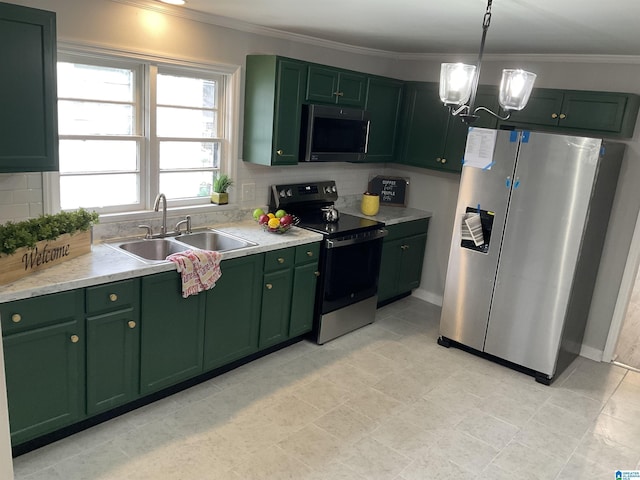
(35, 258)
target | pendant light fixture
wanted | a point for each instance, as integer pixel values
(459, 84)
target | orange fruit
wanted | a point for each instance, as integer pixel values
(274, 222)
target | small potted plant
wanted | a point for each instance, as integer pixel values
(220, 186)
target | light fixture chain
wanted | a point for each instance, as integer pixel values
(487, 16)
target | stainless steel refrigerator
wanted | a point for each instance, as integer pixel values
(540, 205)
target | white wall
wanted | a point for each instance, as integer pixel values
(118, 25)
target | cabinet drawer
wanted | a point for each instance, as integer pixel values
(278, 259)
(307, 253)
(36, 312)
(407, 229)
(112, 296)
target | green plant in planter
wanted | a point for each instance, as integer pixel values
(46, 227)
(220, 186)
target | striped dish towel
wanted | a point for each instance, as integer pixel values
(200, 270)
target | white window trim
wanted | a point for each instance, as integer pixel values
(51, 180)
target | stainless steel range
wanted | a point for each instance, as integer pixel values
(347, 292)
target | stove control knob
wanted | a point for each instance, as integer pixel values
(289, 193)
(282, 193)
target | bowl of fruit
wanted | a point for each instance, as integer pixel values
(277, 222)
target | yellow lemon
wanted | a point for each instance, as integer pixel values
(274, 222)
(271, 215)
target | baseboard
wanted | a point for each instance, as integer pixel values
(591, 353)
(427, 296)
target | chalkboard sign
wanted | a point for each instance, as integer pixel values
(392, 190)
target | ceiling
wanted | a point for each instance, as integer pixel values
(586, 27)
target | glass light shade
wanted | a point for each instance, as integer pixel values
(515, 89)
(456, 81)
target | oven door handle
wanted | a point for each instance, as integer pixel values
(344, 242)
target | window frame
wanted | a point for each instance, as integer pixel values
(229, 127)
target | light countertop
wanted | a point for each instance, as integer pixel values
(105, 264)
(389, 215)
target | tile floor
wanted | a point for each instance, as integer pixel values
(628, 348)
(385, 402)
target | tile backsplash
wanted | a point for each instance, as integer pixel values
(20, 196)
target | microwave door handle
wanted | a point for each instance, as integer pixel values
(366, 140)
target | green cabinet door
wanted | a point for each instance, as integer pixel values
(384, 97)
(172, 332)
(412, 249)
(389, 270)
(113, 352)
(603, 112)
(274, 93)
(28, 103)
(331, 85)
(424, 126)
(233, 312)
(113, 344)
(303, 295)
(44, 346)
(276, 307)
(543, 108)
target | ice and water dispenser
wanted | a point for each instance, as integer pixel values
(476, 229)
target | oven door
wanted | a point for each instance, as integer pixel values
(351, 268)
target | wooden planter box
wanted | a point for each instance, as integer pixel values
(45, 254)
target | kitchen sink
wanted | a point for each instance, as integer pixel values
(158, 249)
(153, 249)
(213, 240)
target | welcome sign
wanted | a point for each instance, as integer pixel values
(45, 254)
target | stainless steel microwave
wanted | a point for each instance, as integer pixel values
(333, 134)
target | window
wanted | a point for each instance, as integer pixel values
(130, 130)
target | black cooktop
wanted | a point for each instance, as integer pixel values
(306, 201)
(346, 224)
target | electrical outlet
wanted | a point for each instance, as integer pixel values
(248, 192)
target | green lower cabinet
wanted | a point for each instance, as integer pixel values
(44, 363)
(303, 298)
(402, 259)
(172, 333)
(276, 307)
(232, 318)
(113, 352)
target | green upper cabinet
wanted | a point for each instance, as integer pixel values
(601, 113)
(172, 332)
(274, 94)
(232, 319)
(431, 137)
(384, 97)
(44, 345)
(424, 126)
(331, 85)
(28, 99)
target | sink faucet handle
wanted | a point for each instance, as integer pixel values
(149, 233)
(187, 222)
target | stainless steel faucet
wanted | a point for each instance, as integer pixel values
(156, 206)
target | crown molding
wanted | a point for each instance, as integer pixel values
(226, 22)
